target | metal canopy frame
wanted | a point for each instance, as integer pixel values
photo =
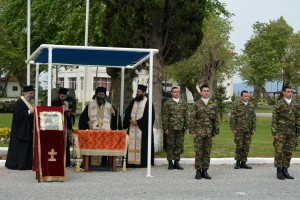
(88, 56)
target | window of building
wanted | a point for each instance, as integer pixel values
(14, 88)
(167, 84)
(61, 82)
(102, 82)
(72, 83)
(228, 84)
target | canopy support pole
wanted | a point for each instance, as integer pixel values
(28, 40)
(37, 72)
(150, 114)
(122, 93)
(87, 9)
(49, 76)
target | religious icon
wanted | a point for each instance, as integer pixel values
(51, 121)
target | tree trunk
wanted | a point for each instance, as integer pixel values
(267, 97)
(114, 93)
(193, 89)
(256, 94)
(157, 102)
(183, 92)
(116, 88)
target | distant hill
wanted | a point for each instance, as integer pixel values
(270, 87)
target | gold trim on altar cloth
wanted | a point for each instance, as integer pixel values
(51, 121)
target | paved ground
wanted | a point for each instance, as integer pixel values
(226, 183)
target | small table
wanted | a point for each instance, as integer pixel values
(101, 143)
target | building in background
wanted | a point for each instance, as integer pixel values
(73, 78)
(12, 89)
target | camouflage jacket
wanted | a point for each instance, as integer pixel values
(243, 117)
(204, 119)
(174, 116)
(285, 118)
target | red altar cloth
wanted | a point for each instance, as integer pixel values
(100, 142)
(47, 142)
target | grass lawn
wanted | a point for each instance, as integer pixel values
(223, 145)
(5, 120)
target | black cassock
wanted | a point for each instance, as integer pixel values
(20, 150)
(143, 125)
(84, 118)
(70, 119)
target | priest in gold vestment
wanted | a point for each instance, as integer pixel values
(136, 120)
(99, 114)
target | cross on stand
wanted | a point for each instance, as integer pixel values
(52, 153)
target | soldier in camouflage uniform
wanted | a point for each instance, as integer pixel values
(285, 128)
(203, 125)
(243, 123)
(174, 123)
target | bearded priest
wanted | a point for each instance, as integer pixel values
(20, 150)
(136, 120)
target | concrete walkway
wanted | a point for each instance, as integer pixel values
(226, 183)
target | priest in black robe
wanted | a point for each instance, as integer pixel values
(132, 122)
(69, 118)
(20, 149)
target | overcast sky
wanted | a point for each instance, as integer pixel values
(247, 12)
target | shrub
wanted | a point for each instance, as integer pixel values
(4, 135)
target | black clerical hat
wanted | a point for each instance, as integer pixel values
(28, 88)
(142, 87)
(62, 90)
(100, 89)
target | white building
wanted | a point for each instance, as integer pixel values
(228, 84)
(73, 78)
(13, 88)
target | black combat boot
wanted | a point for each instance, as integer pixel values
(286, 173)
(237, 164)
(205, 174)
(245, 166)
(177, 166)
(170, 167)
(198, 174)
(280, 174)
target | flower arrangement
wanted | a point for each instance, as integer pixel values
(4, 135)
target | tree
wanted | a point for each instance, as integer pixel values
(173, 27)
(56, 22)
(220, 97)
(211, 62)
(264, 55)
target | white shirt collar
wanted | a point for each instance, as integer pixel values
(288, 101)
(245, 103)
(205, 101)
(175, 99)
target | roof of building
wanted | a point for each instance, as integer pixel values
(10, 79)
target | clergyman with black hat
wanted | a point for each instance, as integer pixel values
(69, 117)
(136, 120)
(20, 150)
(99, 114)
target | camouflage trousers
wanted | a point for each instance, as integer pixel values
(242, 142)
(284, 147)
(175, 144)
(202, 152)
